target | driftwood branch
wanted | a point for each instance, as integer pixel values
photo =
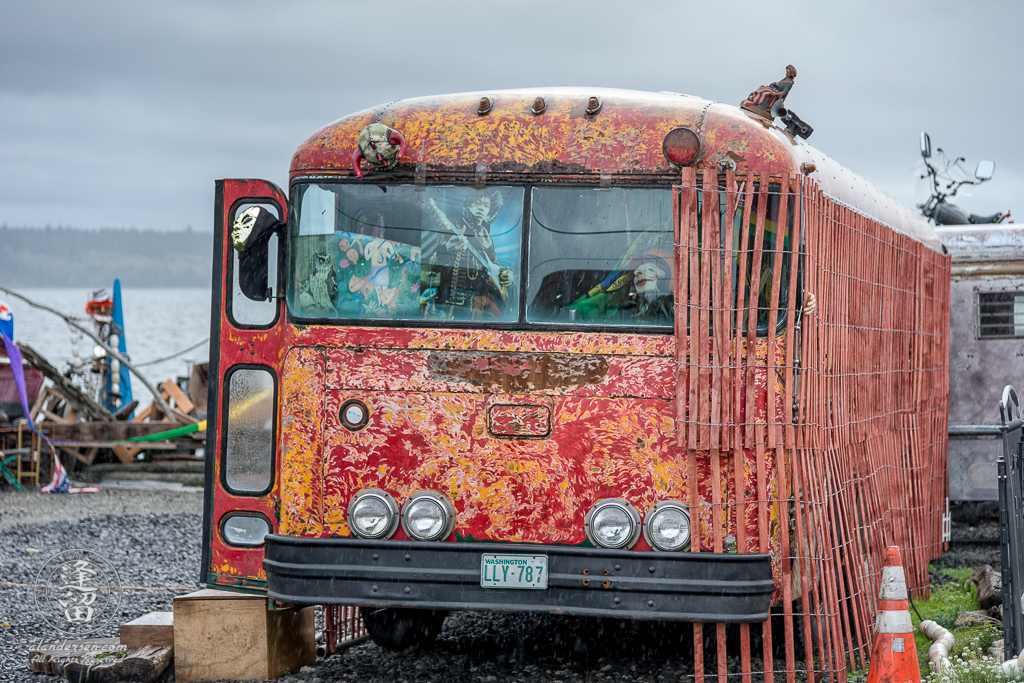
(114, 353)
(990, 586)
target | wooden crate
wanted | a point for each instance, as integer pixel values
(155, 629)
(218, 635)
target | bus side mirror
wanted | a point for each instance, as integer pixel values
(985, 169)
(926, 145)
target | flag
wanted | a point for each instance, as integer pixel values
(59, 482)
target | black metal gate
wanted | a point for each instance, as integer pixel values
(1011, 523)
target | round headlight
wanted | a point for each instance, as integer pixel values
(613, 523)
(428, 516)
(667, 526)
(373, 514)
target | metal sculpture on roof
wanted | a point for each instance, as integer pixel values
(763, 100)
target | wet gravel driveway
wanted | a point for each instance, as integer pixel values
(152, 537)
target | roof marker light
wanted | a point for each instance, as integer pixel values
(681, 147)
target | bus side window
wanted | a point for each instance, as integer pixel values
(249, 430)
(744, 245)
(244, 311)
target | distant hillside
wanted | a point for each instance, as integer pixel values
(68, 257)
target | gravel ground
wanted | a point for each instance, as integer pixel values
(152, 537)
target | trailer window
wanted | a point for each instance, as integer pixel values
(1000, 315)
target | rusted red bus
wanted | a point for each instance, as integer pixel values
(510, 355)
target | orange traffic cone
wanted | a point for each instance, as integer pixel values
(894, 655)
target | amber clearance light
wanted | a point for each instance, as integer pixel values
(681, 147)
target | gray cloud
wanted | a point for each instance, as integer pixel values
(123, 113)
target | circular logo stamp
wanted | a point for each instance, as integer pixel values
(77, 592)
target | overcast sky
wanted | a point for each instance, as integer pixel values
(122, 114)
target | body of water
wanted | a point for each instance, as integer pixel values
(157, 322)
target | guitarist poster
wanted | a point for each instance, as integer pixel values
(471, 253)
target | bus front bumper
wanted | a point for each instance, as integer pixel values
(581, 581)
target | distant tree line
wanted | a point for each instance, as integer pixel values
(71, 257)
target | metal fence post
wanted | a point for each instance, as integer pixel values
(1011, 525)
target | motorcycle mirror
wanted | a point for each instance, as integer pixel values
(926, 145)
(985, 169)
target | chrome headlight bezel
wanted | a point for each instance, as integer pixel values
(390, 504)
(632, 515)
(661, 508)
(430, 498)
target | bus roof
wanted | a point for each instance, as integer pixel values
(450, 140)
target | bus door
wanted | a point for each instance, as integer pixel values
(242, 492)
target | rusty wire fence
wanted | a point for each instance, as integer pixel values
(814, 426)
(343, 628)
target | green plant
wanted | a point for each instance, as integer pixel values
(970, 659)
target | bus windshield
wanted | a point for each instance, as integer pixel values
(455, 254)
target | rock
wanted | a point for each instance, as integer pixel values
(973, 618)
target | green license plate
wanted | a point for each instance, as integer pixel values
(514, 571)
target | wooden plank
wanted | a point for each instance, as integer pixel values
(753, 290)
(107, 431)
(181, 401)
(90, 455)
(739, 374)
(76, 454)
(53, 417)
(145, 413)
(155, 629)
(141, 665)
(183, 418)
(38, 405)
(689, 216)
(72, 393)
(700, 339)
(161, 445)
(772, 416)
(124, 411)
(124, 454)
(726, 349)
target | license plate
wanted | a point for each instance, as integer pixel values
(514, 571)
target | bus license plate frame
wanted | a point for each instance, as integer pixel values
(492, 574)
